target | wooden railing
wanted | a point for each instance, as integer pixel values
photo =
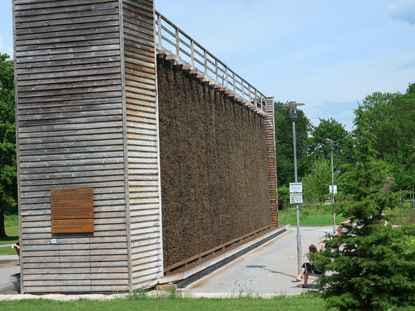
(171, 38)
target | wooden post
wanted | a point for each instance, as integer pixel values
(234, 82)
(159, 30)
(216, 70)
(272, 167)
(177, 43)
(226, 77)
(205, 61)
(192, 53)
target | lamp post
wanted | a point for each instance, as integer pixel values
(293, 113)
(332, 184)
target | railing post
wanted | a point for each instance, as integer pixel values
(159, 31)
(234, 82)
(192, 53)
(205, 58)
(243, 90)
(216, 70)
(256, 99)
(177, 44)
(226, 77)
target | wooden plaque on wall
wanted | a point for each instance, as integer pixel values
(72, 210)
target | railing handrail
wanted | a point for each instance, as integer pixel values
(203, 60)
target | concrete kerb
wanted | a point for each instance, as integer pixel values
(8, 257)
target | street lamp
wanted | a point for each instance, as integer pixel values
(332, 184)
(293, 113)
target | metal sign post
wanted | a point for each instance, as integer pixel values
(332, 185)
(293, 109)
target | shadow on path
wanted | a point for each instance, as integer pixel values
(269, 270)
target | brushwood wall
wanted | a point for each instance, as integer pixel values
(214, 174)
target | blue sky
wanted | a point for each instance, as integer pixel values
(327, 54)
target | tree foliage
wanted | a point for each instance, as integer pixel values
(373, 268)
(284, 144)
(391, 119)
(319, 145)
(316, 183)
(8, 183)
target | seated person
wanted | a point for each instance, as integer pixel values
(17, 247)
(307, 268)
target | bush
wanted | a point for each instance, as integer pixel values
(283, 197)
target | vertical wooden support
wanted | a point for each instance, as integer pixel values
(272, 163)
(139, 53)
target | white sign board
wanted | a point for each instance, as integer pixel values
(296, 198)
(296, 187)
(335, 189)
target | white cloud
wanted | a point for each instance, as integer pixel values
(403, 10)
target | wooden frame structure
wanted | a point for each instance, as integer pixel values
(87, 117)
(170, 39)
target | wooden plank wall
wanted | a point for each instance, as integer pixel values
(271, 161)
(143, 142)
(70, 134)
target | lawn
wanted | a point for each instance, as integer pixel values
(286, 303)
(11, 222)
(309, 216)
(405, 215)
(7, 250)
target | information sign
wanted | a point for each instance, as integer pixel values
(296, 187)
(296, 198)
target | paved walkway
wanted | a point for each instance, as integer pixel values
(266, 271)
(9, 264)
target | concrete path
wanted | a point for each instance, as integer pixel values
(265, 271)
(9, 264)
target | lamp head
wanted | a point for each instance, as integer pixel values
(293, 108)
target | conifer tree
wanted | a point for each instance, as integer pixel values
(374, 267)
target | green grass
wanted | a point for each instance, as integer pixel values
(11, 222)
(12, 235)
(402, 216)
(7, 250)
(286, 303)
(310, 216)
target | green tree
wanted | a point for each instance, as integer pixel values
(316, 184)
(319, 146)
(8, 183)
(391, 120)
(373, 269)
(284, 144)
